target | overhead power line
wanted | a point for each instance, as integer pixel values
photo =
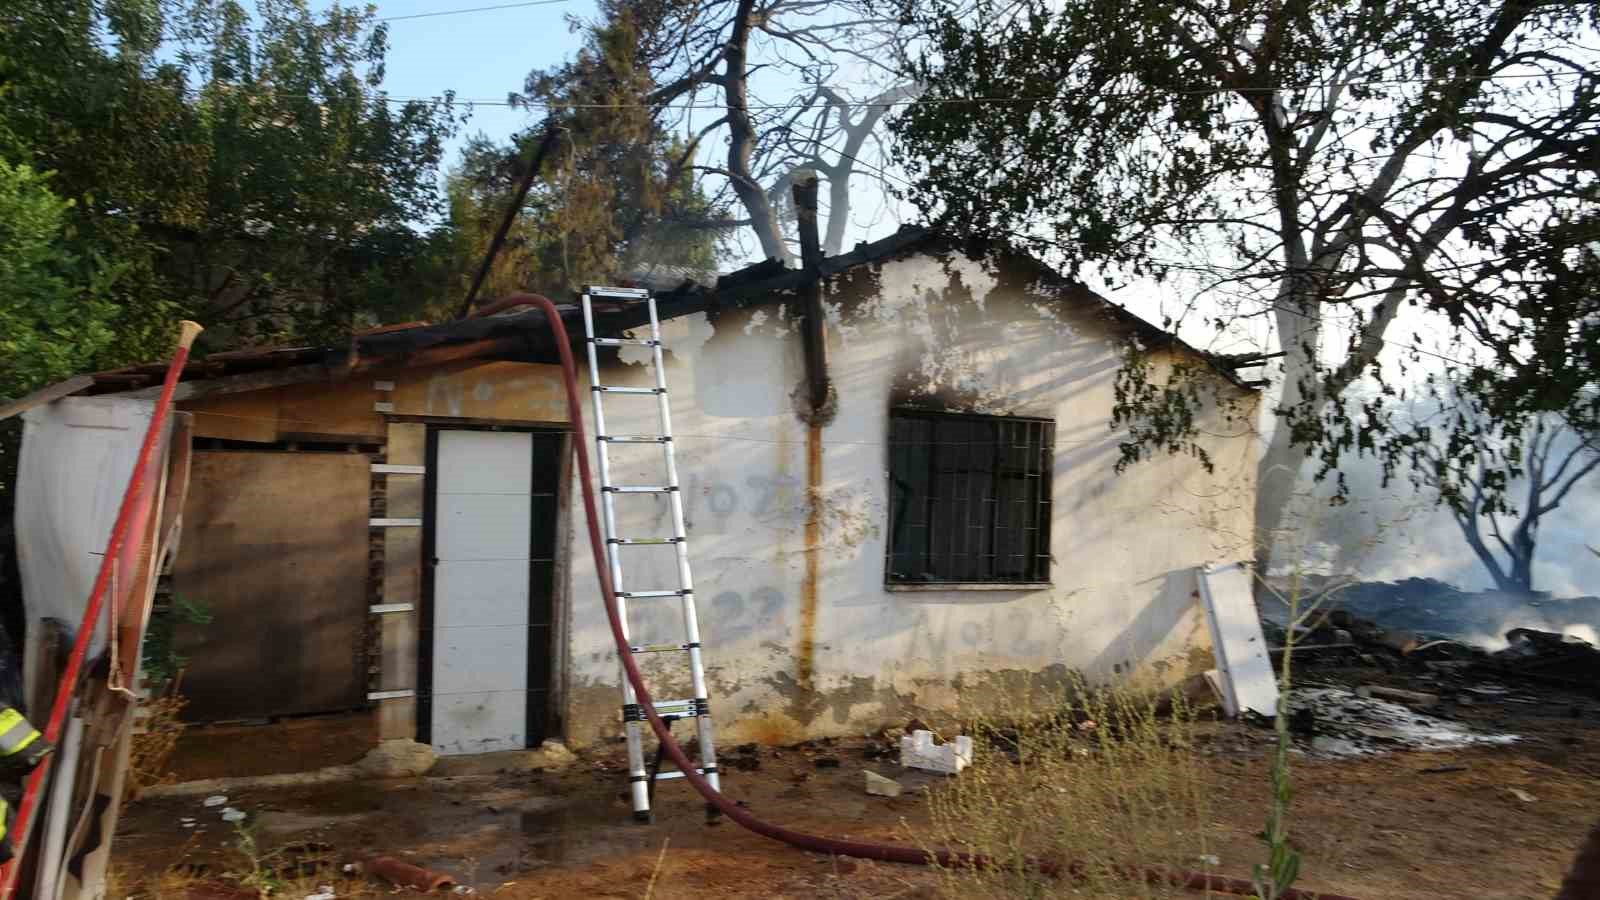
(473, 9)
(173, 36)
(979, 101)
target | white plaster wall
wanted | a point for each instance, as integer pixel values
(1119, 601)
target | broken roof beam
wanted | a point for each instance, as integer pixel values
(742, 293)
(45, 395)
(1244, 360)
(236, 384)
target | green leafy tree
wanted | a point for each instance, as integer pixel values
(317, 188)
(1317, 164)
(54, 319)
(615, 194)
(82, 98)
(629, 187)
(244, 170)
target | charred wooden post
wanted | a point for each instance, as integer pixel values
(535, 165)
(813, 331)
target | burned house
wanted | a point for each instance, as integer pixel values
(388, 525)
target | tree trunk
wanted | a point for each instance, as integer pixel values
(1523, 545)
(838, 207)
(856, 134)
(1502, 580)
(1278, 473)
(1521, 580)
(742, 139)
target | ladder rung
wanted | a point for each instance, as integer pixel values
(640, 542)
(640, 488)
(617, 293)
(635, 438)
(624, 342)
(679, 709)
(604, 389)
(663, 776)
(661, 648)
(635, 595)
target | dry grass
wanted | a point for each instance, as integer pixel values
(1105, 780)
(152, 747)
(661, 861)
(292, 871)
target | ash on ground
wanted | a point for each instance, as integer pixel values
(1337, 721)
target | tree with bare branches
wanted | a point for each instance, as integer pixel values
(784, 84)
(1478, 481)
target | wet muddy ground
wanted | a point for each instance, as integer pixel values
(1476, 820)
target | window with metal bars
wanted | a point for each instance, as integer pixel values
(969, 498)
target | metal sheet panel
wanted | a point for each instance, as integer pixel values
(77, 455)
(1243, 666)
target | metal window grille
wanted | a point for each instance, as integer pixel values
(969, 498)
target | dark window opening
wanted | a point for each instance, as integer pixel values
(969, 498)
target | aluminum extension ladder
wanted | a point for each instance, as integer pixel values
(642, 782)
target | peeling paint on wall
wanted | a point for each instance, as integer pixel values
(961, 356)
(681, 337)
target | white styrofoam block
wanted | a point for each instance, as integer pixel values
(482, 526)
(918, 751)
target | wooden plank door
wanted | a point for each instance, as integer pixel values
(274, 546)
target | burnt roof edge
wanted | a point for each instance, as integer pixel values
(523, 337)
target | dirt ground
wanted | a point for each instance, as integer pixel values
(1488, 821)
(296, 745)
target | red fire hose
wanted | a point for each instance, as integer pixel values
(860, 849)
(91, 612)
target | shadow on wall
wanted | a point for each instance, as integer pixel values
(1167, 641)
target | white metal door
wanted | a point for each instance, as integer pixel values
(482, 521)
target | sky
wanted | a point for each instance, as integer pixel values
(480, 55)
